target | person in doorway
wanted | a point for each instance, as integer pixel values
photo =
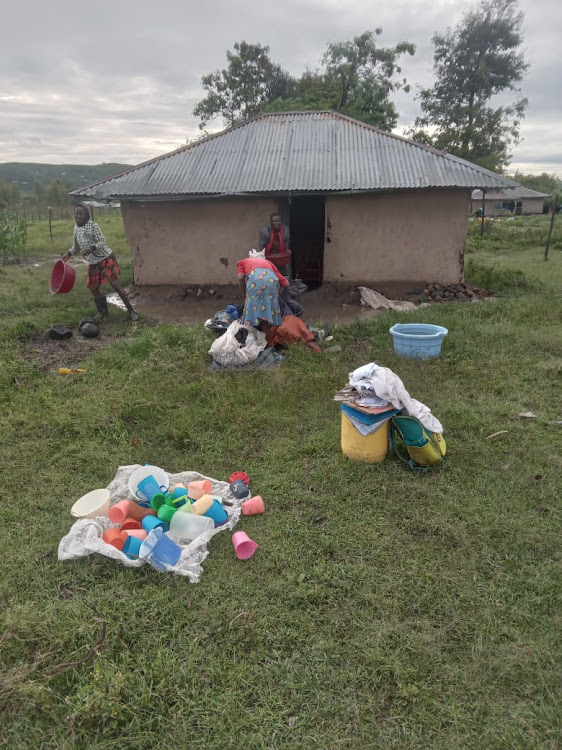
(103, 267)
(274, 237)
(260, 282)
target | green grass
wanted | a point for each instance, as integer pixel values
(382, 610)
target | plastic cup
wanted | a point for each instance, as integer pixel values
(130, 523)
(253, 506)
(239, 489)
(179, 491)
(119, 512)
(138, 511)
(132, 547)
(166, 513)
(185, 527)
(137, 533)
(244, 547)
(199, 488)
(178, 502)
(187, 508)
(158, 500)
(160, 550)
(114, 537)
(202, 505)
(149, 523)
(217, 513)
(239, 475)
(149, 487)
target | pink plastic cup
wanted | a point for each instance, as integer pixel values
(114, 537)
(137, 533)
(137, 511)
(244, 547)
(197, 489)
(253, 506)
(119, 512)
(130, 523)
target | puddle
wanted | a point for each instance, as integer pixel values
(115, 300)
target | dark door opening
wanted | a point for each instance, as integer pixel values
(307, 226)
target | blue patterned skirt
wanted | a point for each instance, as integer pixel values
(262, 298)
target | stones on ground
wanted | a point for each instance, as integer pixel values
(462, 292)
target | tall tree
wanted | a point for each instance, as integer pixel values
(474, 62)
(244, 87)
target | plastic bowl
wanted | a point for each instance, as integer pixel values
(141, 473)
(417, 340)
(95, 503)
(280, 259)
(62, 278)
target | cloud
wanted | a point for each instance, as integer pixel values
(116, 82)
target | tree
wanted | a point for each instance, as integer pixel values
(39, 191)
(543, 183)
(474, 62)
(244, 87)
(56, 194)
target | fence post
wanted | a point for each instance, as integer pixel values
(51, 222)
(554, 207)
(483, 212)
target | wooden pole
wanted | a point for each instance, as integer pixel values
(51, 222)
(483, 212)
(554, 207)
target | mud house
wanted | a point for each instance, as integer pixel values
(363, 205)
(516, 201)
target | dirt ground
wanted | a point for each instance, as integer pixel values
(331, 303)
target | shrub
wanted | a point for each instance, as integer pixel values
(13, 239)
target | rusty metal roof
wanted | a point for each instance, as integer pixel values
(292, 152)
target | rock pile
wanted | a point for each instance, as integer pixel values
(462, 292)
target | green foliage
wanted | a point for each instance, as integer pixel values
(28, 176)
(10, 195)
(474, 62)
(496, 278)
(505, 235)
(543, 183)
(356, 79)
(13, 238)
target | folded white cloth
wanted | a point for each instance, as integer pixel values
(387, 385)
(256, 253)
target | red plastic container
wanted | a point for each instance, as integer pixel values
(280, 259)
(62, 278)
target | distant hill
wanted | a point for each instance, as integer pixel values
(72, 175)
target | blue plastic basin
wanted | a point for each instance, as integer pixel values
(417, 340)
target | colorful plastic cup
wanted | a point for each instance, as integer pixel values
(158, 500)
(114, 537)
(178, 502)
(149, 523)
(199, 488)
(166, 513)
(132, 547)
(160, 550)
(201, 506)
(239, 475)
(179, 491)
(217, 513)
(137, 533)
(187, 508)
(244, 547)
(150, 487)
(253, 506)
(138, 511)
(130, 523)
(119, 512)
(185, 527)
(239, 489)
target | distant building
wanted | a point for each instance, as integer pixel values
(363, 205)
(510, 201)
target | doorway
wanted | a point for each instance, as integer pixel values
(307, 226)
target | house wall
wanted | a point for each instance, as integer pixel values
(530, 206)
(193, 242)
(412, 236)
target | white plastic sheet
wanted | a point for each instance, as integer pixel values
(84, 537)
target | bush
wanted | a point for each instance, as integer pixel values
(497, 279)
(13, 239)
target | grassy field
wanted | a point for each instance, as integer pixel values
(382, 610)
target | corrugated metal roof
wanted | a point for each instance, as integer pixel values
(295, 152)
(510, 193)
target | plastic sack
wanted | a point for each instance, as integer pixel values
(84, 537)
(228, 351)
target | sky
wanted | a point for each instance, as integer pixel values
(117, 81)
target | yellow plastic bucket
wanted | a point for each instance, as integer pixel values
(371, 449)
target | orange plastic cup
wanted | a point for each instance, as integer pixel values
(253, 506)
(137, 533)
(130, 523)
(114, 537)
(119, 512)
(197, 489)
(137, 512)
(201, 506)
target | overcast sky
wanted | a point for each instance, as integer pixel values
(117, 81)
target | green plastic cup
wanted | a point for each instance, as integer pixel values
(165, 512)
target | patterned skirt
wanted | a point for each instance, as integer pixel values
(262, 298)
(103, 272)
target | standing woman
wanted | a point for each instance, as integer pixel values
(102, 264)
(260, 280)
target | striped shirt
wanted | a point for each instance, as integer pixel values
(90, 235)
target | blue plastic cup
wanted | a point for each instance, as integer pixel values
(149, 487)
(132, 547)
(179, 492)
(149, 523)
(159, 550)
(217, 513)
